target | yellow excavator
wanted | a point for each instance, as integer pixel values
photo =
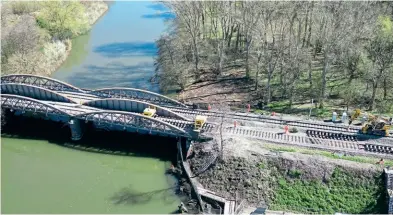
(150, 111)
(378, 127)
(199, 122)
(375, 125)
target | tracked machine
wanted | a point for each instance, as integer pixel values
(374, 125)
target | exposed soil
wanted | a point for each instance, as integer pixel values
(250, 171)
(232, 88)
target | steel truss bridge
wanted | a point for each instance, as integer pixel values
(109, 108)
(121, 108)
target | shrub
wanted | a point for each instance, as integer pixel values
(293, 130)
(23, 7)
(24, 37)
(42, 63)
(295, 173)
(63, 19)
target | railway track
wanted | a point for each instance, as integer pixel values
(241, 116)
(271, 120)
(350, 145)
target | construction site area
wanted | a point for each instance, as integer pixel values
(275, 164)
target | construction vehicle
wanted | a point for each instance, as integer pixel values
(199, 122)
(379, 127)
(355, 115)
(374, 125)
(149, 111)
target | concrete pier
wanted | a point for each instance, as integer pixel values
(76, 129)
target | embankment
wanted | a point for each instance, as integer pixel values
(291, 181)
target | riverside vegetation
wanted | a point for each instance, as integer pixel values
(36, 36)
(280, 55)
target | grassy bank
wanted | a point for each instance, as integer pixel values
(36, 36)
(359, 159)
(344, 192)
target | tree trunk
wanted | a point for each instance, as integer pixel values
(237, 38)
(385, 92)
(257, 72)
(247, 57)
(372, 104)
(292, 88)
(196, 55)
(305, 27)
(221, 50)
(310, 78)
(324, 72)
(310, 24)
(269, 78)
(230, 37)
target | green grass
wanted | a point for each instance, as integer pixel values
(359, 159)
(344, 193)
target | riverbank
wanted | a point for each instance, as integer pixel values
(19, 19)
(292, 180)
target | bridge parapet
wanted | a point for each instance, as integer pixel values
(132, 106)
(35, 92)
(40, 81)
(15, 102)
(132, 93)
(135, 122)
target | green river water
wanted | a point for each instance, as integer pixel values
(39, 174)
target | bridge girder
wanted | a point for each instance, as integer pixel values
(132, 93)
(36, 80)
(132, 106)
(35, 92)
(28, 104)
(132, 120)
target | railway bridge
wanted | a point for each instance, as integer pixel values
(121, 108)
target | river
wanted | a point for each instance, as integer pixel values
(42, 174)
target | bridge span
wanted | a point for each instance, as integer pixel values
(76, 114)
(86, 94)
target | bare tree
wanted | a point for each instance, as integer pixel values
(190, 17)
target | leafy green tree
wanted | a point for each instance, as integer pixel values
(380, 54)
(63, 19)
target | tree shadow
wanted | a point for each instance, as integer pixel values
(127, 49)
(129, 196)
(164, 15)
(116, 75)
(158, 7)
